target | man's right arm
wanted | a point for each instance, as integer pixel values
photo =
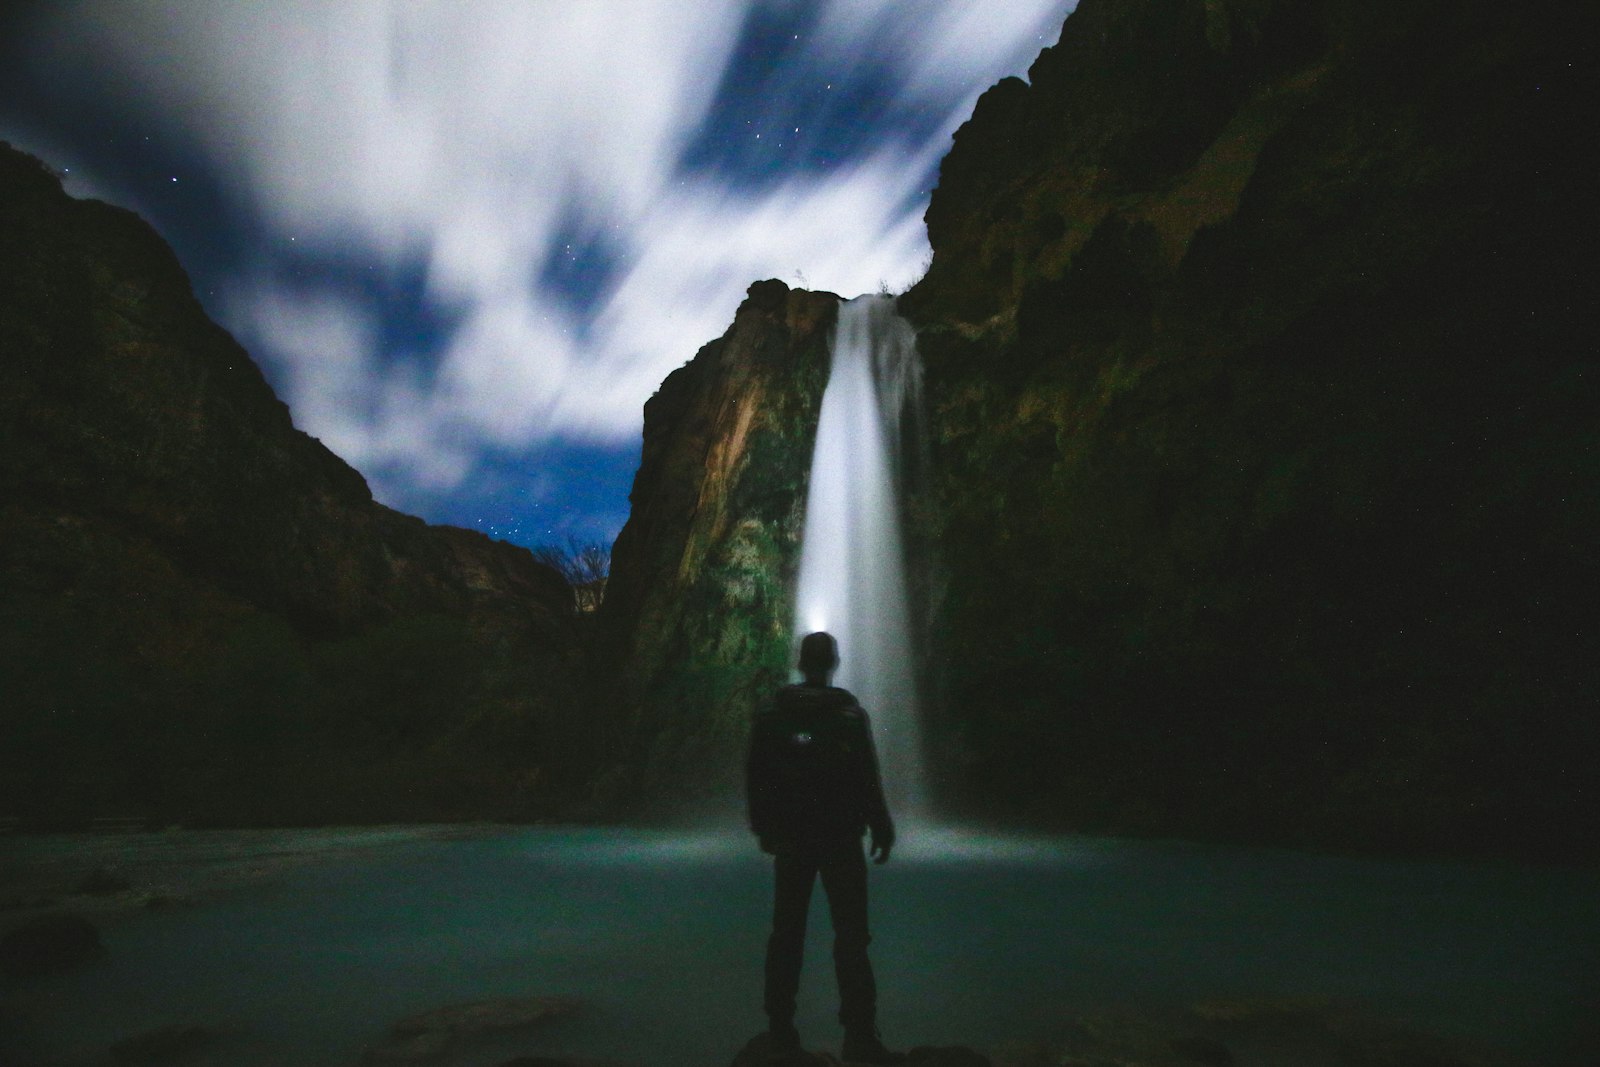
(757, 779)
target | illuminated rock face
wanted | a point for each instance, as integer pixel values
(852, 579)
(695, 629)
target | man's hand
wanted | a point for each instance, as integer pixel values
(882, 844)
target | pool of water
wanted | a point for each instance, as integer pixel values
(977, 940)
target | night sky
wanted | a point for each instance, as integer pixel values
(466, 241)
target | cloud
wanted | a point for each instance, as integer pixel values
(475, 139)
(944, 50)
(378, 419)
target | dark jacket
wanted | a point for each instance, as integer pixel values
(812, 773)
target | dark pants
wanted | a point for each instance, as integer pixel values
(844, 879)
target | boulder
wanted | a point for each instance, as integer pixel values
(1222, 1033)
(421, 1046)
(49, 943)
(484, 1016)
(432, 1034)
(101, 882)
(758, 1052)
(945, 1056)
(165, 1045)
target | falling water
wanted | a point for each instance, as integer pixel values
(852, 562)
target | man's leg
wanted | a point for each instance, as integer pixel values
(792, 880)
(844, 878)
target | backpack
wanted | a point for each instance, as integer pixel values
(814, 763)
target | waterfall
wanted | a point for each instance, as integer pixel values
(852, 560)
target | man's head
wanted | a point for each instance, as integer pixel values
(819, 655)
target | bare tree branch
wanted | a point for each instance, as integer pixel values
(584, 564)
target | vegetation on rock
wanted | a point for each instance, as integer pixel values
(1263, 408)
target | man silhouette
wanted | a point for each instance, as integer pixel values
(813, 789)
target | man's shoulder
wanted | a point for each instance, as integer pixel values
(848, 705)
(815, 699)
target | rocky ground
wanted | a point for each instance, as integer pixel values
(1268, 1032)
(106, 875)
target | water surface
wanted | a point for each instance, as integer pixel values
(978, 940)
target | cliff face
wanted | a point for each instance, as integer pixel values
(1258, 344)
(202, 606)
(695, 624)
(1264, 397)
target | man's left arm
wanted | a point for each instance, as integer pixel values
(879, 823)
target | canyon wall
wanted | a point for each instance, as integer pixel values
(204, 616)
(1260, 356)
(1258, 343)
(1262, 388)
